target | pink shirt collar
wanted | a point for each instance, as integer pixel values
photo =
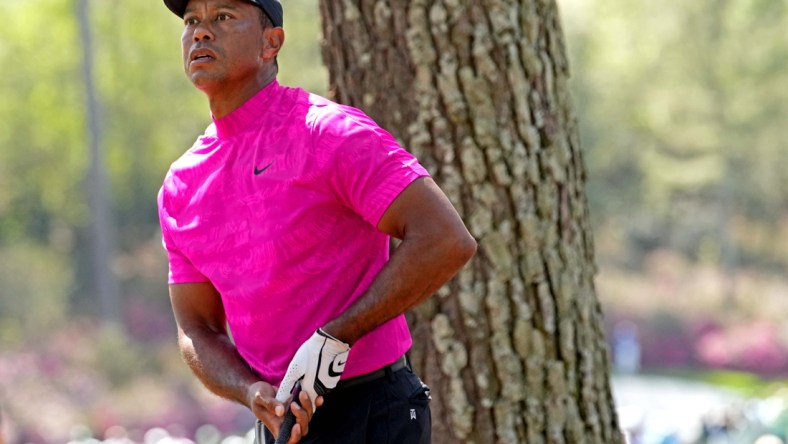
(251, 110)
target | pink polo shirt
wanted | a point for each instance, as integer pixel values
(277, 205)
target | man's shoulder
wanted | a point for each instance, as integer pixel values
(187, 167)
(195, 154)
(321, 113)
(327, 117)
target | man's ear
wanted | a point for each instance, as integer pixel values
(273, 39)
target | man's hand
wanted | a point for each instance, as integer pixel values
(270, 411)
(318, 364)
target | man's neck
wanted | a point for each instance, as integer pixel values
(225, 100)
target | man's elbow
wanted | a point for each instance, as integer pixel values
(463, 248)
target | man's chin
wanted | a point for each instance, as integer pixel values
(203, 80)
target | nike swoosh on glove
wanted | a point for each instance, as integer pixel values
(318, 364)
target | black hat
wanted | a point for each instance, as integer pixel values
(272, 8)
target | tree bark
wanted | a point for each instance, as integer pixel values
(514, 348)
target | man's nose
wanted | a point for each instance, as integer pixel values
(202, 32)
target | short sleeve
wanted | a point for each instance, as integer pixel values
(181, 270)
(368, 169)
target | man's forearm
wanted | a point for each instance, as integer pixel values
(214, 359)
(417, 269)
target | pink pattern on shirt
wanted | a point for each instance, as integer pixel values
(277, 205)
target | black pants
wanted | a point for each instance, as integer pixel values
(393, 409)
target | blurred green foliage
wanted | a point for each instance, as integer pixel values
(35, 284)
(683, 110)
(150, 114)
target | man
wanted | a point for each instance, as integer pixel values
(277, 224)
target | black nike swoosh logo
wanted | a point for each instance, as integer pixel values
(259, 171)
(333, 373)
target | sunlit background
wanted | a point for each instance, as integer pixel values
(683, 109)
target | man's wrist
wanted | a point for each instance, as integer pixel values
(321, 331)
(337, 332)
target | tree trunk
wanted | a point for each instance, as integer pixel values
(514, 348)
(101, 232)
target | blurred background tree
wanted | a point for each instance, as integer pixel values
(683, 112)
(682, 108)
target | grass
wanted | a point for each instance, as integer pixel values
(744, 383)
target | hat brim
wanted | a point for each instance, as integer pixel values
(178, 7)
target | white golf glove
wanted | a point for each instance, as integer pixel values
(318, 364)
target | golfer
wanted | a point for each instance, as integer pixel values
(277, 223)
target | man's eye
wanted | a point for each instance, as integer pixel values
(222, 17)
(190, 21)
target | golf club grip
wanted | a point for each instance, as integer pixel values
(287, 427)
(289, 421)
